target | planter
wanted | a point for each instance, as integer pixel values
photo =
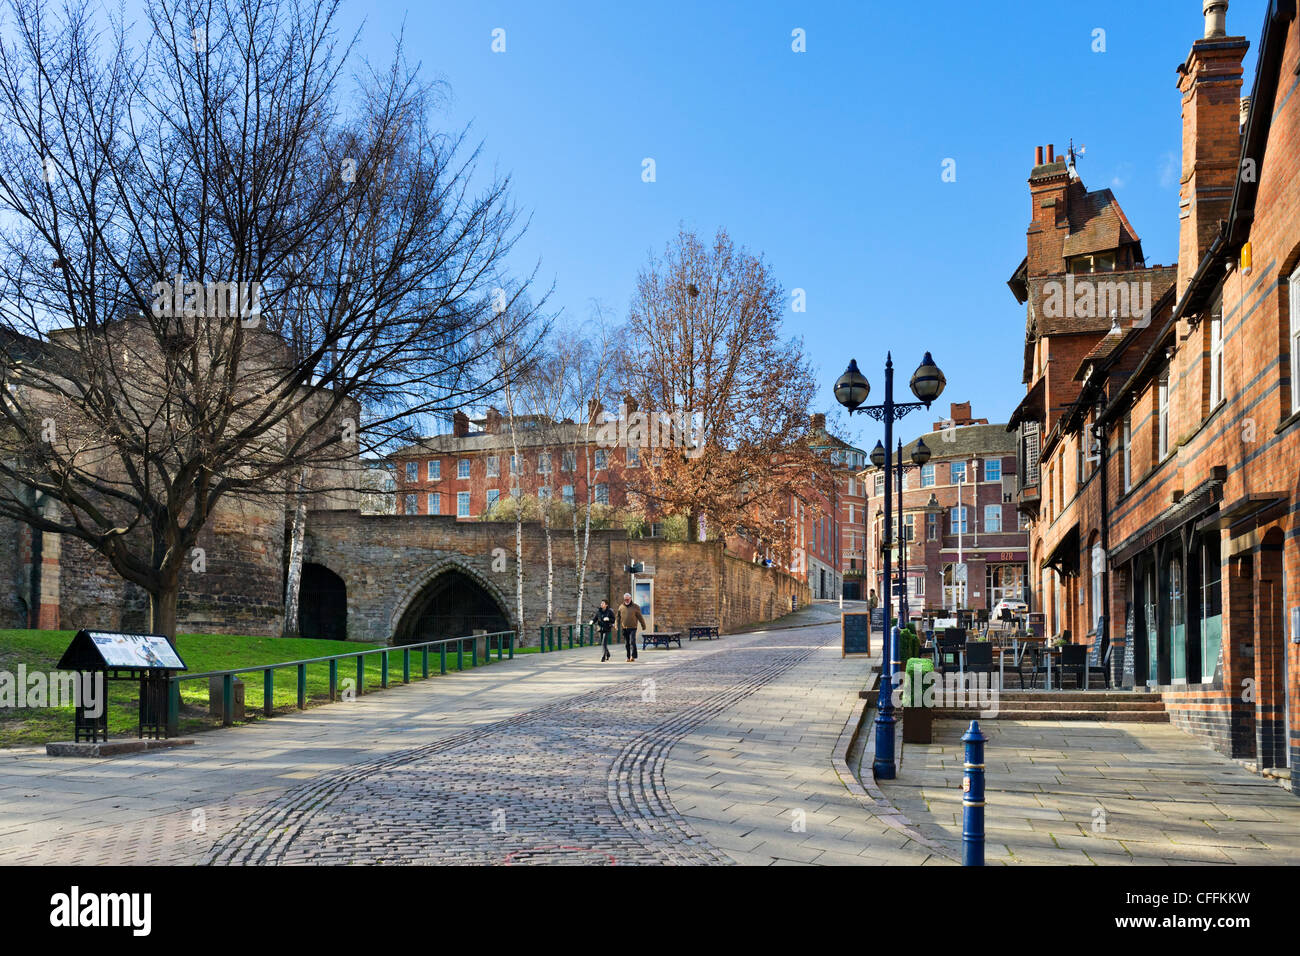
(918, 725)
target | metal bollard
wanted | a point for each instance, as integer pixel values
(972, 799)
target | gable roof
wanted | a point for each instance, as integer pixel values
(1097, 223)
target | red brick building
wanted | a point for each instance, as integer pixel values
(958, 510)
(1161, 455)
(466, 472)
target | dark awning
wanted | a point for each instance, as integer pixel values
(1064, 558)
(1191, 506)
(1030, 407)
(1243, 514)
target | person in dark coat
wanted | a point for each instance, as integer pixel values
(604, 620)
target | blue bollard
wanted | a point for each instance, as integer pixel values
(972, 798)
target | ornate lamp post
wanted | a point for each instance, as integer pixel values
(920, 455)
(851, 390)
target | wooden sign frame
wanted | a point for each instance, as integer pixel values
(844, 616)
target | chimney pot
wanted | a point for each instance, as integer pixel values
(1216, 18)
(1051, 153)
(1038, 155)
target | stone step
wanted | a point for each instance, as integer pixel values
(1076, 695)
(1121, 716)
(1099, 705)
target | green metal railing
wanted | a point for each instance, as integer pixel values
(551, 637)
(505, 647)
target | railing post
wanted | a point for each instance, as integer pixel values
(512, 645)
(268, 691)
(501, 640)
(227, 699)
(570, 637)
(383, 668)
(473, 652)
(406, 665)
(173, 706)
(302, 686)
(334, 679)
(972, 799)
(442, 657)
(460, 654)
(424, 662)
(361, 674)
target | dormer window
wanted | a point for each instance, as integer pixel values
(1094, 262)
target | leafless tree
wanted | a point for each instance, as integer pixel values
(226, 260)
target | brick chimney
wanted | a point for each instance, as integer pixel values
(1210, 83)
(1049, 183)
(818, 422)
(492, 424)
(460, 424)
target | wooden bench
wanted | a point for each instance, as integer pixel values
(702, 631)
(658, 638)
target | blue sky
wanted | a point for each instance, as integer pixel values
(828, 162)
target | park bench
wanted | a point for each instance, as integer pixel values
(658, 638)
(702, 631)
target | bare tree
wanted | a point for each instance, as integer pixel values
(220, 267)
(707, 347)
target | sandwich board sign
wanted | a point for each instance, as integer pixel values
(855, 633)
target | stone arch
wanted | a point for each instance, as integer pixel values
(477, 587)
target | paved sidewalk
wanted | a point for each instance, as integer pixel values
(757, 780)
(550, 758)
(1086, 792)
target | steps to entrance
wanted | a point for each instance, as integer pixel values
(1111, 706)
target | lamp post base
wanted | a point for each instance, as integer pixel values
(882, 767)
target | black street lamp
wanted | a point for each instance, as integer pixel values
(851, 390)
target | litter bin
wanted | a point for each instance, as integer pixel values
(215, 699)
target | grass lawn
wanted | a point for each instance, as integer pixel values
(41, 650)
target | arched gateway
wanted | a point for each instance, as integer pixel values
(451, 601)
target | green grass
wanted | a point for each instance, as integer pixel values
(41, 650)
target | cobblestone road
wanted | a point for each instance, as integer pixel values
(546, 759)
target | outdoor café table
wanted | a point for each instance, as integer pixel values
(660, 637)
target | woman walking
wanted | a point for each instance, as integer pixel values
(628, 618)
(604, 620)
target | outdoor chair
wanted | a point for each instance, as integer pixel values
(979, 658)
(1034, 659)
(1073, 658)
(948, 649)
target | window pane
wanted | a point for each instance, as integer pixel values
(412, 471)
(462, 468)
(462, 504)
(993, 469)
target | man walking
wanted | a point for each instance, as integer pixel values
(604, 620)
(627, 619)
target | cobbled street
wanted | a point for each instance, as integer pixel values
(546, 759)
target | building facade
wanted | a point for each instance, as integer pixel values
(966, 547)
(1164, 488)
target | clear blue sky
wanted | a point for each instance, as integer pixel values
(827, 162)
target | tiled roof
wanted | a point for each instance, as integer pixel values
(964, 441)
(1097, 224)
(1066, 320)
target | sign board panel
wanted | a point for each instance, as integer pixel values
(96, 650)
(878, 619)
(855, 629)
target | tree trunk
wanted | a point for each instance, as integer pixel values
(550, 566)
(293, 581)
(162, 608)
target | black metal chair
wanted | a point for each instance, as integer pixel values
(948, 649)
(1073, 658)
(979, 658)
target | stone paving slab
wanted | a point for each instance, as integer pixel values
(1096, 793)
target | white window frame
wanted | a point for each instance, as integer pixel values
(1126, 446)
(601, 493)
(993, 526)
(993, 464)
(462, 468)
(493, 496)
(880, 483)
(462, 504)
(433, 469)
(493, 466)
(514, 464)
(1162, 416)
(602, 459)
(569, 461)
(957, 473)
(435, 503)
(1216, 356)
(1294, 298)
(410, 504)
(544, 463)
(927, 476)
(567, 493)
(412, 471)
(953, 519)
